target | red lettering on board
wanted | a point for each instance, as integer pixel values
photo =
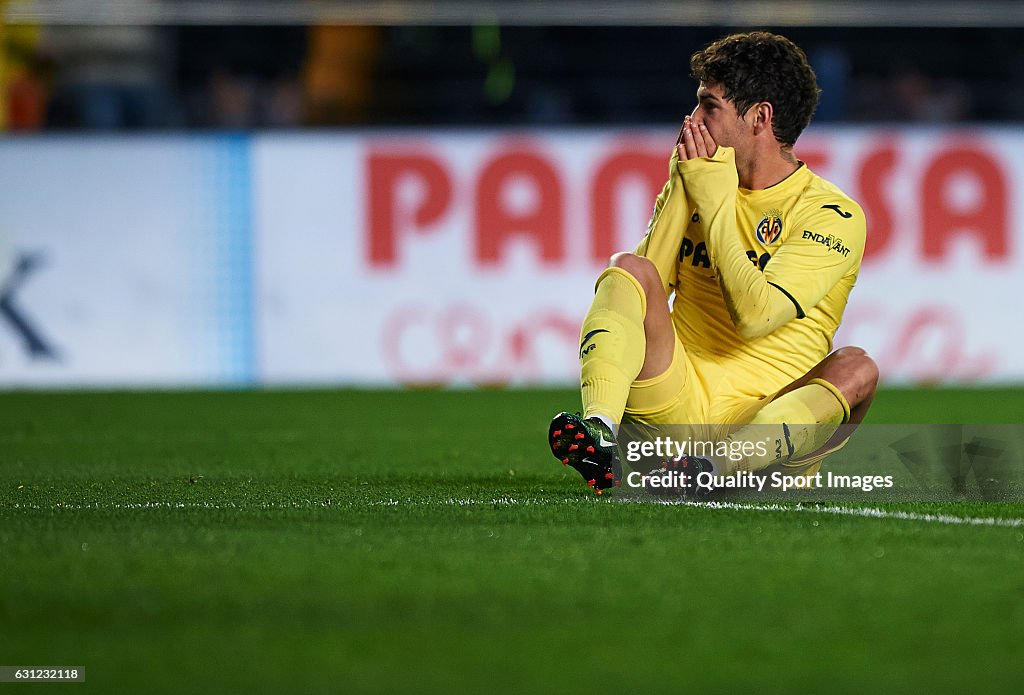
(387, 221)
(497, 220)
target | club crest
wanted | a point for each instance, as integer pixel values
(769, 229)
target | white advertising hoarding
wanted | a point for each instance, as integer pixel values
(435, 259)
(452, 258)
(127, 261)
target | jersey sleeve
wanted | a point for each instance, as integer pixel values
(665, 231)
(755, 306)
(824, 246)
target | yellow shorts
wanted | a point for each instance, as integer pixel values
(698, 390)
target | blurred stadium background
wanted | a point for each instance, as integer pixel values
(383, 194)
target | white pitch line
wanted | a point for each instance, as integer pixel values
(301, 504)
(863, 512)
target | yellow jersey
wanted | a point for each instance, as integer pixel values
(804, 235)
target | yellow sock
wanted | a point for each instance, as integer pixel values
(807, 466)
(612, 344)
(793, 425)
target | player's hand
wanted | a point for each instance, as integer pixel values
(695, 141)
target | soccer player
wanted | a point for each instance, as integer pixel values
(761, 255)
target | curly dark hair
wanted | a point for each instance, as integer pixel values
(761, 66)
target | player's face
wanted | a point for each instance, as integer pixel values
(719, 114)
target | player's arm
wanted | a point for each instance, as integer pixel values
(824, 245)
(665, 230)
(756, 305)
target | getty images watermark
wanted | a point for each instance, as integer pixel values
(898, 462)
(744, 480)
(670, 452)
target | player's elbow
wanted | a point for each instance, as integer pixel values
(752, 329)
(762, 318)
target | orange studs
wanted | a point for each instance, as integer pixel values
(574, 447)
(609, 476)
(590, 449)
(579, 436)
(556, 433)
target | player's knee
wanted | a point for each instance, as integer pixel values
(639, 267)
(858, 368)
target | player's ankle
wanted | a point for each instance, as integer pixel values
(608, 422)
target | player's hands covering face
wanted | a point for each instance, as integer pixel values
(695, 140)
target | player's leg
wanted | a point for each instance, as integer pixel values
(804, 420)
(852, 371)
(627, 334)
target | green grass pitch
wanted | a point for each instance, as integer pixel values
(422, 541)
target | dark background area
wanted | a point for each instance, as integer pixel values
(214, 77)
